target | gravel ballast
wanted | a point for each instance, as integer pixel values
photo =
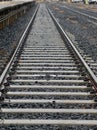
(81, 30)
(10, 35)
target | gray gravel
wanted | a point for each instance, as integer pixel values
(48, 127)
(82, 28)
(47, 105)
(10, 35)
(55, 116)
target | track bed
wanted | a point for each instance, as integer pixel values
(46, 89)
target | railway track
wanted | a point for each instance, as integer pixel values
(47, 84)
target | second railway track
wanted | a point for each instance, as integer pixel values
(45, 87)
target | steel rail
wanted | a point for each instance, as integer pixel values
(69, 42)
(21, 41)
